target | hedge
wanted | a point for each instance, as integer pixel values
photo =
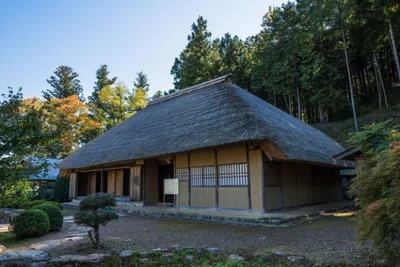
(54, 214)
(30, 223)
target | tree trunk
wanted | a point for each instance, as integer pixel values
(394, 49)
(298, 101)
(378, 88)
(382, 83)
(321, 114)
(350, 84)
(97, 237)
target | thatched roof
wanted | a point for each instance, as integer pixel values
(210, 114)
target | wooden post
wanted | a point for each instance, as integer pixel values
(135, 183)
(72, 185)
(248, 176)
(216, 178)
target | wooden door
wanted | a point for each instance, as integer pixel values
(119, 180)
(111, 183)
(92, 182)
(135, 184)
(72, 185)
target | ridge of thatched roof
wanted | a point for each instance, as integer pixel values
(216, 113)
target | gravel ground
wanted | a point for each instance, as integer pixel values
(327, 240)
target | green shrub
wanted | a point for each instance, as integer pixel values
(58, 205)
(30, 223)
(91, 214)
(15, 194)
(54, 214)
(377, 191)
(35, 203)
(61, 190)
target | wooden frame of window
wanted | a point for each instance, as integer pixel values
(182, 174)
(204, 176)
(233, 175)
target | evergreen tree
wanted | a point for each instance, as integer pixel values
(142, 81)
(64, 84)
(102, 81)
(199, 61)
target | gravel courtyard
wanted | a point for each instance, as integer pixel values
(332, 239)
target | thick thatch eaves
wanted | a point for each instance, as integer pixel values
(207, 115)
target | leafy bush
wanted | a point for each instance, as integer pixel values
(91, 214)
(377, 191)
(30, 223)
(35, 203)
(15, 194)
(58, 205)
(54, 214)
(61, 190)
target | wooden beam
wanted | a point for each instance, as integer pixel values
(248, 176)
(216, 179)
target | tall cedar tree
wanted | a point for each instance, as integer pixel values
(102, 81)
(64, 84)
(141, 81)
(198, 62)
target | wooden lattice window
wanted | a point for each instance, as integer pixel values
(202, 176)
(233, 175)
(182, 174)
(272, 173)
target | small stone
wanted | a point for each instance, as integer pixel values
(168, 255)
(176, 247)
(298, 259)
(235, 257)
(159, 250)
(2, 248)
(199, 251)
(213, 251)
(126, 253)
(278, 253)
(144, 260)
(189, 257)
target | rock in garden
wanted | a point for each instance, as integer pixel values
(159, 250)
(2, 248)
(298, 259)
(213, 251)
(30, 255)
(278, 253)
(168, 254)
(235, 257)
(79, 259)
(189, 257)
(126, 253)
(46, 245)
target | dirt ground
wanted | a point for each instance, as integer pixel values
(332, 239)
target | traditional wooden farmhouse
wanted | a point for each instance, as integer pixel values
(228, 148)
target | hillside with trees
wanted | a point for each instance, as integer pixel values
(308, 57)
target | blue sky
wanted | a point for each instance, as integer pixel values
(36, 36)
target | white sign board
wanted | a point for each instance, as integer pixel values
(171, 186)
